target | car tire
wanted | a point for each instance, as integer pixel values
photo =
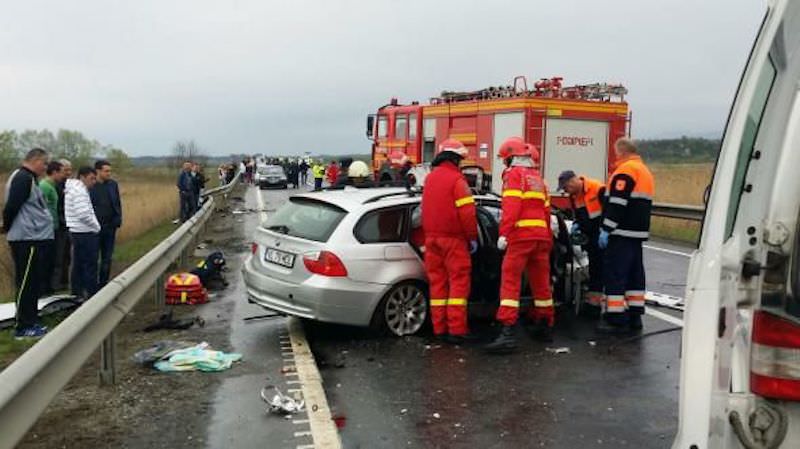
(402, 311)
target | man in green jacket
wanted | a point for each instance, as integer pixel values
(55, 175)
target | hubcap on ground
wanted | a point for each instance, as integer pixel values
(405, 310)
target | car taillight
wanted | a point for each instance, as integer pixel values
(775, 357)
(253, 248)
(325, 263)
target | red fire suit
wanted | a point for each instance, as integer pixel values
(526, 227)
(449, 223)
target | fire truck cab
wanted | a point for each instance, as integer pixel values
(574, 127)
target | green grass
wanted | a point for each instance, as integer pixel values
(124, 255)
(673, 229)
(129, 252)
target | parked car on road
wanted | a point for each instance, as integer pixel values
(352, 257)
(271, 176)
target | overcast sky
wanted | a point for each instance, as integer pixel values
(295, 75)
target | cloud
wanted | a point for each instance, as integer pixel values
(281, 77)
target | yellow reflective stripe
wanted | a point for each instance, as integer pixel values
(533, 195)
(201, 264)
(438, 302)
(543, 303)
(464, 201)
(509, 303)
(457, 302)
(511, 192)
(547, 202)
(531, 224)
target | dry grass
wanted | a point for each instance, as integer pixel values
(149, 198)
(679, 184)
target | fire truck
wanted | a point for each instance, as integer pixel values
(573, 126)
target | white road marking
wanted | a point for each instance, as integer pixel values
(305, 446)
(668, 251)
(300, 421)
(260, 202)
(303, 433)
(323, 429)
(663, 316)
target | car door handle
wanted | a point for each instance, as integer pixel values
(393, 253)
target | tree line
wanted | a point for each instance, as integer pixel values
(62, 144)
(681, 150)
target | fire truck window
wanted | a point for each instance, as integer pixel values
(412, 126)
(400, 127)
(383, 126)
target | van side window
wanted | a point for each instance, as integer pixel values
(412, 126)
(763, 88)
(383, 226)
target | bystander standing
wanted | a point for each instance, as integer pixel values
(55, 174)
(198, 184)
(84, 230)
(107, 205)
(186, 191)
(63, 250)
(29, 228)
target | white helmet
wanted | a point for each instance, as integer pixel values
(358, 169)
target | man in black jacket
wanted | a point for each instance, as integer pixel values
(108, 209)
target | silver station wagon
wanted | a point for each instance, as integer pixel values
(354, 257)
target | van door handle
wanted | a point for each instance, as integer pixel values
(393, 253)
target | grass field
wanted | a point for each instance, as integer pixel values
(149, 200)
(679, 184)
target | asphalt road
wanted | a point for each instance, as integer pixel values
(407, 392)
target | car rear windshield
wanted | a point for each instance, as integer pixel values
(270, 171)
(306, 219)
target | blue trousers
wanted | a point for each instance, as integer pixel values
(85, 248)
(624, 276)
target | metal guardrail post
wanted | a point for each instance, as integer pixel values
(108, 360)
(159, 296)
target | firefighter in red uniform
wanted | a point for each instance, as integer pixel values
(586, 195)
(451, 235)
(525, 235)
(626, 224)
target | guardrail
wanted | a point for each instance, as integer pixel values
(28, 385)
(694, 213)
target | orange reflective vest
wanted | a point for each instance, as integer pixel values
(588, 203)
(629, 199)
(526, 206)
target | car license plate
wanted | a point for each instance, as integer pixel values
(272, 255)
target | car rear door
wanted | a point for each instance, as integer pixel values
(740, 367)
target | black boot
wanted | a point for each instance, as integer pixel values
(613, 324)
(542, 331)
(505, 343)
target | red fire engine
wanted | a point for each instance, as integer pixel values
(574, 127)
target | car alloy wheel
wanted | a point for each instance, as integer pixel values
(405, 309)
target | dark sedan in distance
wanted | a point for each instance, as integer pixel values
(271, 176)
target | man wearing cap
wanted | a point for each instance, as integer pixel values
(586, 196)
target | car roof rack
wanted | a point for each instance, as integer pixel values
(409, 192)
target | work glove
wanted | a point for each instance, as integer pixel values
(502, 243)
(574, 228)
(602, 240)
(473, 246)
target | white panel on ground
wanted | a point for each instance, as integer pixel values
(508, 124)
(579, 145)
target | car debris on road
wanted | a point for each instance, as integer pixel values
(281, 404)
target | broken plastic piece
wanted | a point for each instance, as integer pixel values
(561, 350)
(280, 404)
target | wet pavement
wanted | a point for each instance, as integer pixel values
(406, 392)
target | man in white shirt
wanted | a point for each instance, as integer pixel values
(84, 229)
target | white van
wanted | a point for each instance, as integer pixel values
(740, 368)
